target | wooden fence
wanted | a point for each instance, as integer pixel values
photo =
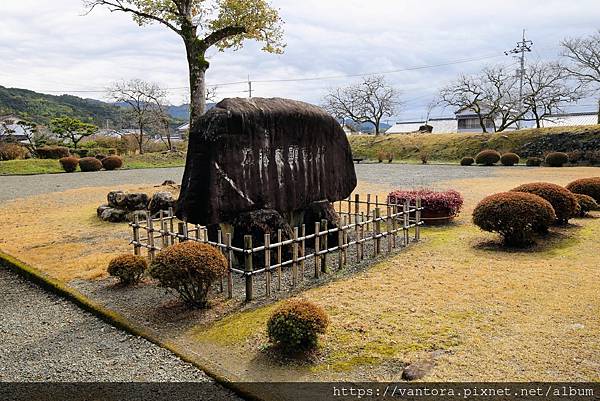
(367, 228)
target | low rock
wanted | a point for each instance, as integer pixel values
(315, 213)
(161, 201)
(417, 370)
(141, 215)
(127, 201)
(101, 209)
(168, 182)
(113, 215)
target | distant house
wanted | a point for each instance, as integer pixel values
(11, 129)
(350, 129)
(570, 119)
(439, 125)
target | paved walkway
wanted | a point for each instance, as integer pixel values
(395, 175)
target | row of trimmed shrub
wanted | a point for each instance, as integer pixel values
(531, 209)
(12, 151)
(87, 164)
(490, 157)
(191, 268)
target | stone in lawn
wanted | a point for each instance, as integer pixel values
(113, 215)
(127, 201)
(417, 370)
(251, 154)
(161, 201)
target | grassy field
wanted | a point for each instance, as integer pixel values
(486, 313)
(47, 166)
(453, 147)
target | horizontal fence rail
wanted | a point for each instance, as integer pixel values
(367, 228)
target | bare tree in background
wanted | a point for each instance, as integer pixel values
(468, 93)
(492, 95)
(584, 55)
(368, 101)
(547, 89)
(143, 102)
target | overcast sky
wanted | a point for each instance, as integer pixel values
(49, 46)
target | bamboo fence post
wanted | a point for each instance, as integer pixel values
(344, 242)
(268, 264)
(279, 235)
(356, 210)
(219, 245)
(377, 201)
(349, 200)
(180, 232)
(418, 221)
(198, 229)
(230, 266)
(405, 209)
(171, 226)
(325, 246)
(388, 223)
(368, 210)
(295, 258)
(248, 267)
(361, 235)
(377, 223)
(394, 223)
(340, 236)
(137, 249)
(303, 250)
(161, 217)
(150, 229)
(317, 257)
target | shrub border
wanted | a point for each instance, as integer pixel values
(115, 319)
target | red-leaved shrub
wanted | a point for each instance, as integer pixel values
(449, 202)
(586, 186)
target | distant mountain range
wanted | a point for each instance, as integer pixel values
(41, 108)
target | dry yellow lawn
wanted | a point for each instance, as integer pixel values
(492, 314)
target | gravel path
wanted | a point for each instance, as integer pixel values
(396, 175)
(46, 338)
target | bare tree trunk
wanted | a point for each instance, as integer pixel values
(141, 139)
(197, 70)
(482, 124)
(598, 111)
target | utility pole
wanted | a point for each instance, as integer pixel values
(524, 46)
(249, 87)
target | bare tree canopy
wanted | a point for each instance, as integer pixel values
(203, 24)
(493, 95)
(584, 56)
(145, 106)
(547, 89)
(365, 102)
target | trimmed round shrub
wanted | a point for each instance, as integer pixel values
(87, 164)
(487, 157)
(127, 268)
(69, 164)
(586, 204)
(296, 324)
(557, 159)
(586, 186)
(100, 156)
(52, 152)
(509, 159)
(516, 216)
(562, 200)
(467, 161)
(112, 162)
(189, 268)
(534, 162)
(12, 151)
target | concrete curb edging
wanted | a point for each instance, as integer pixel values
(115, 319)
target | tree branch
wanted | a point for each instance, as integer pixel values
(223, 33)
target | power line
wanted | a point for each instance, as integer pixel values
(316, 78)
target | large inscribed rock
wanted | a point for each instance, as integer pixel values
(252, 154)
